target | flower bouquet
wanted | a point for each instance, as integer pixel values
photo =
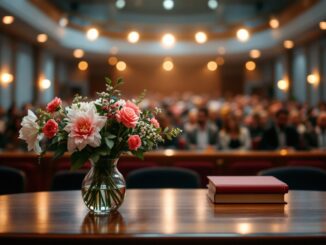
(98, 131)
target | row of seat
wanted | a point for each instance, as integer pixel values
(298, 178)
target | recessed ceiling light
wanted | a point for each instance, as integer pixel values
(121, 66)
(274, 23)
(212, 4)
(322, 25)
(168, 65)
(6, 78)
(42, 38)
(250, 65)
(112, 60)
(92, 34)
(254, 53)
(7, 20)
(282, 85)
(168, 40)
(312, 79)
(288, 44)
(133, 37)
(212, 65)
(83, 65)
(120, 4)
(78, 53)
(243, 35)
(168, 4)
(44, 84)
(63, 22)
(201, 37)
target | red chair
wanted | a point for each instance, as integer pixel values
(250, 167)
(308, 163)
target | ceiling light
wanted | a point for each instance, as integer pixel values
(133, 37)
(220, 61)
(250, 65)
(168, 40)
(201, 37)
(282, 85)
(254, 53)
(83, 65)
(45, 84)
(120, 4)
(168, 65)
(121, 66)
(63, 22)
(243, 35)
(212, 4)
(7, 20)
(6, 78)
(288, 44)
(92, 34)
(112, 60)
(312, 79)
(212, 65)
(168, 4)
(322, 25)
(274, 23)
(42, 38)
(78, 53)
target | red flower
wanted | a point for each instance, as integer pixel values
(127, 117)
(53, 105)
(155, 123)
(134, 142)
(133, 106)
(50, 129)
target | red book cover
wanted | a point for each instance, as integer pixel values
(247, 184)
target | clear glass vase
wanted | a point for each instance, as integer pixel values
(103, 188)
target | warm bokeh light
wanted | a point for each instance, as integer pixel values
(92, 34)
(113, 60)
(42, 38)
(121, 66)
(250, 65)
(45, 84)
(243, 35)
(78, 53)
(6, 78)
(322, 25)
(168, 4)
(120, 4)
(83, 65)
(312, 79)
(168, 40)
(168, 65)
(274, 23)
(220, 61)
(201, 37)
(221, 50)
(288, 44)
(63, 22)
(282, 85)
(212, 66)
(212, 4)
(254, 53)
(133, 37)
(114, 50)
(8, 19)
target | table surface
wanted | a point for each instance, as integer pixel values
(162, 213)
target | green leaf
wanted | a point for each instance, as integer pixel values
(109, 143)
(111, 136)
(59, 151)
(78, 159)
(138, 154)
(108, 80)
(95, 157)
(120, 81)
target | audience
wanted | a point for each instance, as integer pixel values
(231, 123)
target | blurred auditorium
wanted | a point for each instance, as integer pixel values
(244, 80)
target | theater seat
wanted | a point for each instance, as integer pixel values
(163, 177)
(125, 167)
(11, 181)
(299, 178)
(308, 163)
(250, 167)
(68, 180)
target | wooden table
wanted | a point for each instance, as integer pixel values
(162, 216)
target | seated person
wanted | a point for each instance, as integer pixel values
(204, 134)
(316, 138)
(280, 135)
(233, 136)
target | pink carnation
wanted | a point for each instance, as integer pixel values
(155, 123)
(54, 105)
(128, 117)
(133, 106)
(50, 129)
(134, 142)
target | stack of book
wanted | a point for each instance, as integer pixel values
(246, 189)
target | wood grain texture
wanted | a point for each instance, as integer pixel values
(166, 215)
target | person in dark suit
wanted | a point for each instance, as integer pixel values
(204, 134)
(316, 138)
(280, 135)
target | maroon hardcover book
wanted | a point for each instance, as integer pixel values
(247, 184)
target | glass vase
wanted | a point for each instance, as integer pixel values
(103, 188)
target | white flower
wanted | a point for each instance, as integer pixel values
(83, 125)
(30, 132)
